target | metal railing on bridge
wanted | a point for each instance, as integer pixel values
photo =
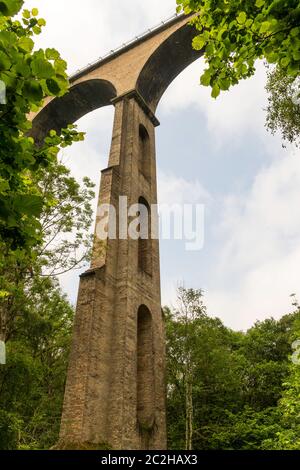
(113, 52)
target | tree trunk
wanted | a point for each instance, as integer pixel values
(3, 323)
(2, 337)
(189, 413)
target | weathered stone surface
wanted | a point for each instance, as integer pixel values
(115, 390)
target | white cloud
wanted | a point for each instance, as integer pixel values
(234, 114)
(89, 157)
(268, 214)
(84, 31)
(259, 247)
(173, 189)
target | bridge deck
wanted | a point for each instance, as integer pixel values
(126, 46)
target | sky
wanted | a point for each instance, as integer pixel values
(212, 152)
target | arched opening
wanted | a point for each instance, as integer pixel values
(79, 101)
(145, 375)
(88, 104)
(145, 242)
(144, 153)
(166, 63)
(86, 159)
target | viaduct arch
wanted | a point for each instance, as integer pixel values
(115, 390)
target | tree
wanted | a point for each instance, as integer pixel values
(246, 429)
(32, 382)
(39, 202)
(283, 112)
(36, 318)
(288, 436)
(65, 222)
(202, 374)
(233, 34)
(190, 308)
(237, 398)
(29, 76)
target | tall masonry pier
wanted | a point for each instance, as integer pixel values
(115, 391)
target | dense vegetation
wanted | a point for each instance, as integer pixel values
(231, 390)
(235, 34)
(32, 382)
(226, 389)
(27, 76)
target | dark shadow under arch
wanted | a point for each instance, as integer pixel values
(80, 100)
(166, 63)
(145, 374)
(144, 153)
(145, 242)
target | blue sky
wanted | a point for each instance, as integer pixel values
(216, 153)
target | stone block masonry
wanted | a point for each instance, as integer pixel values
(115, 392)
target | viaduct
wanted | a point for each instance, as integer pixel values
(115, 391)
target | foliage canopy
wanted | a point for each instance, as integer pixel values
(29, 76)
(233, 34)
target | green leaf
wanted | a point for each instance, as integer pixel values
(244, 69)
(53, 86)
(242, 18)
(205, 78)
(4, 185)
(4, 294)
(4, 61)
(296, 55)
(295, 32)
(293, 69)
(37, 30)
(34, 12)
(29, 204)
(10, 7)
(26, 44)
(199, 42)
(259, 3)
(23, 69)
(221, 34)
(285, 61)
(272, 58)
(215, 91)
(9, 79)
(41, 22)
(60, 66)
(26, 14)
(224, 84)
(52, 54)
(266, 25)
(32, 90)
(42, 68)
(209, 50)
